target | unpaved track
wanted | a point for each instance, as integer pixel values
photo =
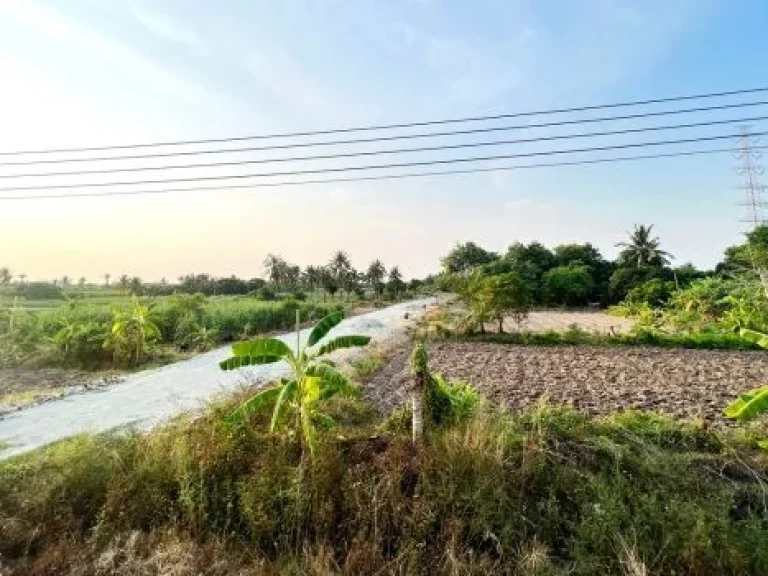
(682, 383)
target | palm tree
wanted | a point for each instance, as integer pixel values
(107, 276)
(81, 281)
(123, 282)
(341, 269)
(395, 283)
(135, 284)
(275, 267)
(22, 278)
(642, 249)
(5, 276)
(375, 276)
(313, 277)
(65, 280)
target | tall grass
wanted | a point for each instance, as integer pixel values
(545, 492)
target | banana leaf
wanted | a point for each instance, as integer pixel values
(749, 406)
(263, 398)
(255, 352)
(343, 342)
(324, 326)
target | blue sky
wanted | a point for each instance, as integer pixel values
(92, 72)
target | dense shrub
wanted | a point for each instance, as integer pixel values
(39, 291)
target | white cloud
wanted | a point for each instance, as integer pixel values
(53, 24)
(167, 27)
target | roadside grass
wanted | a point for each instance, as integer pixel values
(549, 491)
(27, 397)
(575, 336)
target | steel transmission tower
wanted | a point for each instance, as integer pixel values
(751, 172)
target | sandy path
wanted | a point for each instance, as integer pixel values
(541, 321)
(682, 383)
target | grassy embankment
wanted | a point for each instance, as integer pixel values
(547, 492)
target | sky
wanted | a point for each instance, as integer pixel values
(93, 73)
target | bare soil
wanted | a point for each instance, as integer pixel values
(23, 386)
(681, 383)
(560, 320)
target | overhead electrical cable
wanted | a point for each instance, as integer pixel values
(369, 167)
(396, 126)
(372, 178)
(366, 153)
(572, 122)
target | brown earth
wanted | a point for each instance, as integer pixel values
(681, 383)
(23, 386)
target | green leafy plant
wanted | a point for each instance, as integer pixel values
(753, 404)
(132, 333)
(434, 399)
(313, 379)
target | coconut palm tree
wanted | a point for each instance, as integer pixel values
(107, 276)
(22, 278)
(123, 282)
(81, 281)
(395, 283)
(65, 280)
(5, 276)
(343, 272)
(375, 276)
(642, 249)
(275, 268)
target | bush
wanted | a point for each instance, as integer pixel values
(39, 291)
(654, 292)
(266, 293)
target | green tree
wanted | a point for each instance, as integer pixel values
(375, 276)
(503, 295)
(654, 292)
(5, 276)
(643, 249)
(466, 256)
(275, 268)
(296, 399)
(107, 276)
(395, 283)
(569, 285)
(124, 281)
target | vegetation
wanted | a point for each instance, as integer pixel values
(131, 322)
(545, 492)
(313, 379)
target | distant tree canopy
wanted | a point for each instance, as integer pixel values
(577, 274)
(39, 291)
(466, 256)
(570, 285)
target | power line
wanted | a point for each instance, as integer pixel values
(387, 151)
(156, 155)
(373, 178)
(376, 166)
(395, 126)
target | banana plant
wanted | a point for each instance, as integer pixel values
(314, 378)
(752, 404)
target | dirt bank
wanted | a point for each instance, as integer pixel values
(682, 383)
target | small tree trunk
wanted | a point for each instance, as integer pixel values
(417, 407)
(501, 325)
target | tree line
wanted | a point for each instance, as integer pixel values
(338, 276)
(575, 274)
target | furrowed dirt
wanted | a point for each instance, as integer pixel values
(681, 383)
